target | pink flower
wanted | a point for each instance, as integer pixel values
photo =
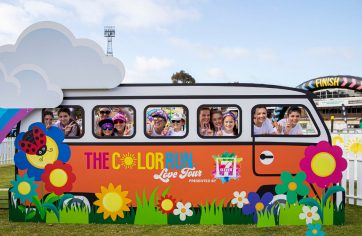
(323, 164)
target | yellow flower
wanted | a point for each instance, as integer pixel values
(112, 201)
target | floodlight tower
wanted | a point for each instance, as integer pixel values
(109, 33)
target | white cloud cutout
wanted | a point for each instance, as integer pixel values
(152, 63)
(28, 87)
(47, 58)
(68, 62)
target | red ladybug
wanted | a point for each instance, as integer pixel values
(34, 142)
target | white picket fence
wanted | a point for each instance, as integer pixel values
(351, 143)
(7, 151)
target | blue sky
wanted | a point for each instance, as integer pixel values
(271, 42)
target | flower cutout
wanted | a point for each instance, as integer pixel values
(24, 188)
(183, 210)
(315, 230)
(166, 204)
(40, 154)
(323, 164)
(240, 199)
(257, 204)
(58, 177)
(309, 214)
(112, 202)
(292, 186)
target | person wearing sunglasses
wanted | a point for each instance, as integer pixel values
(103, 113)
(177, 121)
(107, 127)
(121, 126)
(158, 125)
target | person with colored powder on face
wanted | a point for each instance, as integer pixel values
(216, 122)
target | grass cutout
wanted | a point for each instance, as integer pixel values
(211, 214)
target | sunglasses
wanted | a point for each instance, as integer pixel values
(108, 128)
(105, 112)
(118, 122)
(176, 121)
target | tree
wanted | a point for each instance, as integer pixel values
(183, 78)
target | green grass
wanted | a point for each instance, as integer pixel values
(353, 227)
(234, 215)
(7, 173)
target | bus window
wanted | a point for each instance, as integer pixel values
(166, 121)
(113, 121)
(283, 120)
(219, 121)
(67, 118)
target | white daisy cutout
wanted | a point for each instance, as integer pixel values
(309, 214)
(183, 210)
(240, 199)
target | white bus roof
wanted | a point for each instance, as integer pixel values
(232, 89)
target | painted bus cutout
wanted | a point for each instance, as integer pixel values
(189, 180)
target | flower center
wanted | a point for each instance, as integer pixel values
(323, 164)
(183, 210)
(48, 158)
(292, 186)
(259, 206)
(112, 202)
(58, 178)
(24, 188)
(167, 204)
(240, 199)
(309, 214)
(314, 231)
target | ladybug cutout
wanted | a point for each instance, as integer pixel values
(34, 142)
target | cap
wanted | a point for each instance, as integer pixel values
(176, 116)
(106, 123)
(160, 113)
(120, 116)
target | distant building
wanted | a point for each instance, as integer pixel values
(333, 91)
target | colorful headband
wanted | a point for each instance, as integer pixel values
(229, 114)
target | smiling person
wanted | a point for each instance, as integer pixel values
(216, 122)
(262, 125)
(107, 127)
(177, 121)
(48, 118)
(102, 114)
(159, 119)
(229, 124)
(121, 126)
(290, 125)
(204, 122)
(69, 127)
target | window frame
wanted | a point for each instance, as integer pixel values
(187, 123)
(114, 137)
(282, 135)
(219, 105)
(69, 106)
